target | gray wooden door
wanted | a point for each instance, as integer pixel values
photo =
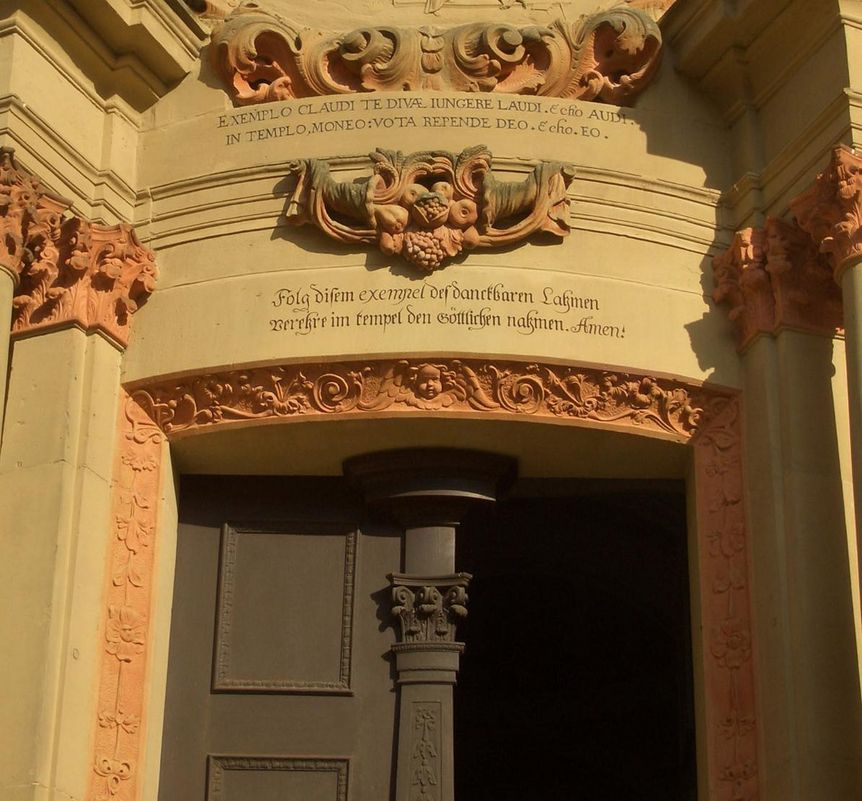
(279, 681)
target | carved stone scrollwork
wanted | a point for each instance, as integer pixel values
(428, 207)
(68, 269)
(544, 391)
(609, 56)
(428, 609)
(831, 211)
(774, 277)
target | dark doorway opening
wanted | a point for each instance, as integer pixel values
(577, 680)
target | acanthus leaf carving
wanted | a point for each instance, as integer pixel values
(774, 277)
(456, 385)
(68, 269)
(608, 57)
(429, 608)
(831, 210)
(430, 206)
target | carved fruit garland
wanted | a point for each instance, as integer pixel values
(429, 207)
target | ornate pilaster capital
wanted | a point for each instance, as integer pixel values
(610, 56)
(831, 210)
(428, 608)
(67, 270)
(773, 278)
(30, 217)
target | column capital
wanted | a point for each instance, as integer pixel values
(775, 277)
(831, 210)
(66, 269)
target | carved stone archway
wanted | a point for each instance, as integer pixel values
(705, 418)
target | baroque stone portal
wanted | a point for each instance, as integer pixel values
(430, 206)
(609, 57)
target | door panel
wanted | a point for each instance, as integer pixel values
(279, 682)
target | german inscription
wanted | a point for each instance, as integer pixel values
(294, 119)
(303, 309)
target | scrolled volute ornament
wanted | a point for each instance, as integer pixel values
(428, 207)
(607, 57)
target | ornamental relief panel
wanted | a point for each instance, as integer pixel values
(67, 269)
(430, 207)
(608, 56)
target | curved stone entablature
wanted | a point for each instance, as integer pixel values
(67, 269)
(430, 206)
(609, 56)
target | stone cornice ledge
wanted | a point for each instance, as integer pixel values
(67, 270)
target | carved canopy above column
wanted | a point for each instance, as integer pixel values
(609, 56)
(67, 270)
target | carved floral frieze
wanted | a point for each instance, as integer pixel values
(652, 404)
(67, 269)
(610, 56)
(774, 277)
(428, 207)
(428, 609)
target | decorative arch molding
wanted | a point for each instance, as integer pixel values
(702, 417)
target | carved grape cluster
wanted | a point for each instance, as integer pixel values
(424, 250)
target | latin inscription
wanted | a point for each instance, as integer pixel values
(319, 117)
(303, 309)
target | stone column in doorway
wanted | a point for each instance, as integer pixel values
(428, 492)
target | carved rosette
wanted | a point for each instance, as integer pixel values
(429, 608)
(429, 207)
(68, 270)
(609, 56)
(831, 211)
(773, 278)
(663, 407)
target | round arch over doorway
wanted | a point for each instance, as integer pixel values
(701, 418)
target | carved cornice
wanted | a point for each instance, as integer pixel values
(831, 210)
(773, 278)
(429, 608)
(653, 405)
(610, 56)
(429, 207)
(68, 270)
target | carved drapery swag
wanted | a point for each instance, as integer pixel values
(788, 274)
(609, 57)
(429, 207)
(67, 269)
